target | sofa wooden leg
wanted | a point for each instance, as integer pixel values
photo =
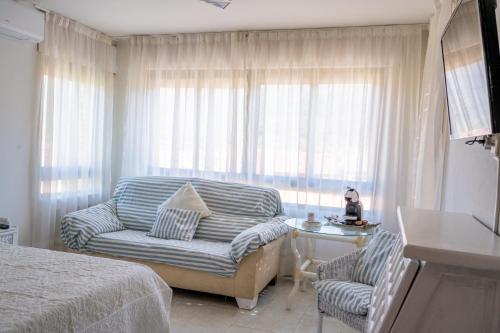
(247, 303)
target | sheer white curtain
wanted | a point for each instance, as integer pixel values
(308, 112)
(432, 123)
(74, 115)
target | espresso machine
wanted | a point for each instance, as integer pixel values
(353, 207)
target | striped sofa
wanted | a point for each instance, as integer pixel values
(235, 250)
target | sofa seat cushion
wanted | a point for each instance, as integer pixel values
(225, 227)
(203, 255)
(347, 296)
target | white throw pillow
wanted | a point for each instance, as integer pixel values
(187, 198)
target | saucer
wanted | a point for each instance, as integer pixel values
(312, 223)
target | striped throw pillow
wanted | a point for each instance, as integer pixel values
(373, 258)
(175, 223)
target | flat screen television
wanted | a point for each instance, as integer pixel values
(471, 66)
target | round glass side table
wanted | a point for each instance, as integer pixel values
(346, 234)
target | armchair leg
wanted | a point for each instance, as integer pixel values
(320, 323)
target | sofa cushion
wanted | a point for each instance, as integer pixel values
(373, 257)
(175, 223)
(138, 198)
(187, 198)
(348, 296)
(225, 227)
(203, 255)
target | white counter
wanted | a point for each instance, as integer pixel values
(448, 238)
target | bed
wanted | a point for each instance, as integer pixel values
(50, 291)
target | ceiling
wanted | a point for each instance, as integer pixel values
(127, 17)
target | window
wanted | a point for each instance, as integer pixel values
(309, 140)
(72, 126)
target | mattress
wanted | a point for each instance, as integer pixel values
(204, 255)
(50, 291)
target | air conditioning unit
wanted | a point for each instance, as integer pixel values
(21, 22)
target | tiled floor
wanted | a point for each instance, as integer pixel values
(194, 312)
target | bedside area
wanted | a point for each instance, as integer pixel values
(9, 236)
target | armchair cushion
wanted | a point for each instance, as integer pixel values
(79, 227)
(372, 258)
(347, 296)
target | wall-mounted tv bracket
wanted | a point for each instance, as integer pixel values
(489, 142)
(492, 143)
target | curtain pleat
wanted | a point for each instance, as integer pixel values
(432, 133)
(74, 119)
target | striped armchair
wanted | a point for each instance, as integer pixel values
(346, 283)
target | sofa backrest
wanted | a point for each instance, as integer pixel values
(138, 198)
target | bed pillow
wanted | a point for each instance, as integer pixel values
(175, 223)
(187, 198)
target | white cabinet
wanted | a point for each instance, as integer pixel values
(457, 287)
(9, 236)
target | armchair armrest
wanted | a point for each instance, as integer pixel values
(77, 228)
(340, 268)
(250, 240)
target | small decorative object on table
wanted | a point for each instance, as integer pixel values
(311, 222)
(339, 221)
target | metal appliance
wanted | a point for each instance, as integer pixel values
(353, 206)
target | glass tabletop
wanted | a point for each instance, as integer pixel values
(330, 229)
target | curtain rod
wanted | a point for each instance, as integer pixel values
(119, 37)
(42, 9)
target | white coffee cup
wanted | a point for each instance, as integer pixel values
(310, 217)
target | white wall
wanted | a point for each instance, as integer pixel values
(471, 181)
(17, 91)
(472, 178)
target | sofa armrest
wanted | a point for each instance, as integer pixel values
(77, 228)
(251, 239)
(340, 268)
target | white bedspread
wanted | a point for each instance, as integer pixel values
(49, 291)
